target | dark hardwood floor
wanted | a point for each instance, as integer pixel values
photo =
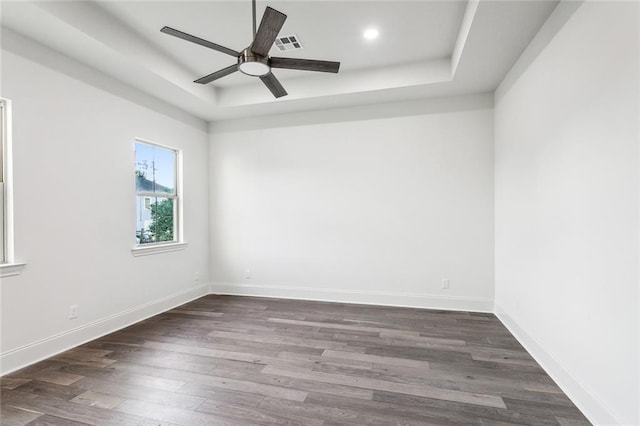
(223, 360)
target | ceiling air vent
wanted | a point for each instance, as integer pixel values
(290, 42)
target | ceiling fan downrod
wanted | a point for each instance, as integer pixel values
(253, 7)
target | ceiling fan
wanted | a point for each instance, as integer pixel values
(255, 60)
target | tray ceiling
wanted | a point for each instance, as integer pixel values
(425, 48)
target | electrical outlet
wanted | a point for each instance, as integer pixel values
(73, 311)
(247, 274)
(445, 283)
(196, 276)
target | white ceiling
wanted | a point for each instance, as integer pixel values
(425, 48)
(330, 31)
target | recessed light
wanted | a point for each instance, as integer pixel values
(371, 33)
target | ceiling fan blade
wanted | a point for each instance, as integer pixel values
(218, 74)
(200, 41)
(273, 85)
(272, 22)
(304, 64)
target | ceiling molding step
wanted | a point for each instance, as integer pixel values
(440, 105)
(44, 56)
(463, 34)
(350, 82)
(560, 15)
(97, 23)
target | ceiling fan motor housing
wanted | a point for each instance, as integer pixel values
(251, 63)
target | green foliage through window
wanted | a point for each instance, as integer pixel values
(161, 228)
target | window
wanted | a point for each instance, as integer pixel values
(157, 194)
(3, 224)
(8, 265)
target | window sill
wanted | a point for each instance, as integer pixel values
(157, 248)
(11, 269)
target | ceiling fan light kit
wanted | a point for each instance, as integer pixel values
(252, 64)
(255, 60)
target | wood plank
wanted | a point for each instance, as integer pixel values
(129, 391)
(299, 384)
(196, 313)
(16, 416)
(319, 411)
(57, 377)
(176, 415)
(417, 337)
(425, 391)
(279, 340)
(563, 421)
(132, 378)
(49, 420)
(328, 354)
(216, 353)
(205, 392)
(385, 413)
(12, 383)
(98, 399)
(50, 390)
(459, 412)
(309, 360)
(219, 382)
(387, 331)
(534, 407)
(251, 414)
(77, 412)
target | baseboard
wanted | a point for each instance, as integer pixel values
(407, 300)
(37, 351)
(592, 407)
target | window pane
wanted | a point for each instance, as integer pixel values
(2, 185)
(155, 169)
(156, 223)
(2, 135)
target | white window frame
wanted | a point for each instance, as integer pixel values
(178, 234)
(8, 264)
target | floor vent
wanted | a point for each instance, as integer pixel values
(290, 42)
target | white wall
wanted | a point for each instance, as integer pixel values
(567, 217)
(74, 214)
(358, 205)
